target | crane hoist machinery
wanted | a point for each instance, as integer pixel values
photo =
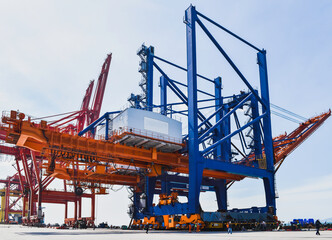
(220, 139)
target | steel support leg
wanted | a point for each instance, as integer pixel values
(75, 209)
(66, 210)
(163, 95)
(195, 158)
(221, 194)
(270, 193)
(79, 207)
(7, 194)
(268, 143)
(165, 188)
(149, 191)
(24, 208)
(220, 187)
(256, 128)
(226, 130)
(93, 205)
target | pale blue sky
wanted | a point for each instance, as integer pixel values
(51, 49)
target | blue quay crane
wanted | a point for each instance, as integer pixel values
(213, 120)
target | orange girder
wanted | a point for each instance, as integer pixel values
(89, 160)
(53, 143)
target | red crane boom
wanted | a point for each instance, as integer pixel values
(85, 107)
(100, 89)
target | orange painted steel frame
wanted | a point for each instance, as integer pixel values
(84, 160)
(92, 156)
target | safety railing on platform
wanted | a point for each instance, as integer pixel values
(146, 133)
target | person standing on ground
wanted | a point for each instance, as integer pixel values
(147, 228)
(263, 225)
(229, 227)
(318, 225)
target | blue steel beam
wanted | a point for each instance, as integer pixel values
(256, 129)
(226, 152)
(182, 68)
(209, 149)
(221, 194)
(195, 159)
(211, 116)
(268, 143)
(224, 117)
(220, 187)
(184, 85)
(150, 183)
(92, 126)
(229, 60)
(181, 103)
(107, 118)
(200, 108)
(163, 95)
(229, 32)
(267, 130)
(219, 115)
(180, 94)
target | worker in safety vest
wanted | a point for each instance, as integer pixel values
(229, 228)
(197, 228)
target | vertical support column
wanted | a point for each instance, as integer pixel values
(268, 143)
(149, 80)
(163, 95)
(149, 191)
(30, 204)
(165, 188)
(66, 204)
(256, 128)
(6, 206)
(93, 205)
(29, 180)
(221, 194)
(24, 207)
(75, 209)
(39, 175)
(79, 207)
(270, 194)
(40, 190)
(195, 158)
(2, 212)
(66, 210)
(226, 130)
(107, 118)
(218, 102)
(220, 187)
(136, 203)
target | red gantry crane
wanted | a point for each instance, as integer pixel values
(27, 184)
